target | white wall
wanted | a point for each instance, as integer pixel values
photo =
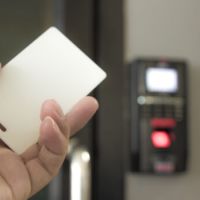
(168, 28)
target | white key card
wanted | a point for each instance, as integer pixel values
(51, 67)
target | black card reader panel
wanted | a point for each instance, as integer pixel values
(158, 115)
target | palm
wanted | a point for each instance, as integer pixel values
(14, 176)
(24, 175)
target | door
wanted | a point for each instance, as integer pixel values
(96, 26)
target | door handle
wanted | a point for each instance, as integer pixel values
(80, 173)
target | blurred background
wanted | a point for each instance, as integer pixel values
(114, 33)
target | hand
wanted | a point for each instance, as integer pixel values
(21, 176)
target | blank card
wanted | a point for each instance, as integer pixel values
(51, 67)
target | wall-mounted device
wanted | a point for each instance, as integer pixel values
(158, 116)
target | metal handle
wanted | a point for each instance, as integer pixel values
(80, 174)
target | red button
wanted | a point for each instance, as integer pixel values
(161, 139)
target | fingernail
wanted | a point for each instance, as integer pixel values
(49, 123)
(96, 102)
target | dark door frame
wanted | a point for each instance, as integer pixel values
(109, 55)
(96, 26)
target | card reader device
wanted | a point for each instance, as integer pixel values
(158, 115)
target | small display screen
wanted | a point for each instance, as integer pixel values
(161, 80)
